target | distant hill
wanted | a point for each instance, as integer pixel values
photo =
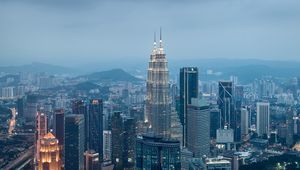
(38, 68)
(86, 86)
(110, 75)
(246, 69)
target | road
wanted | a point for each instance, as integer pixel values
(12, 122)
(26, 155)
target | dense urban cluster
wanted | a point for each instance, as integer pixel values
(98, 122)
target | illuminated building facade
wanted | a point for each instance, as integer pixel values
(49, 153)
(41, 126)
(158, 104)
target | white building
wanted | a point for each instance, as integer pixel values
(244, 122)
(107, 145)
(198, 124)
(7, 92)
(262, 118)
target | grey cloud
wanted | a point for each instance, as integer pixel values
(78, 31)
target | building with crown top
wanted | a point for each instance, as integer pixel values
(158, 103)
(49, 153)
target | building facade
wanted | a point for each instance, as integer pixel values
(49, 153)
(107, 147)
(158, 104)
(244, 122)
(42, 129)
(91, 160)
(157, 153)
(198, 123)
(74, 142)
(263, 118)
(188, 89)
(95, 113)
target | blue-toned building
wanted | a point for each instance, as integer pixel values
(74, 142)
(93, 119)
(188, 89)
(95, 113)
(154, 152)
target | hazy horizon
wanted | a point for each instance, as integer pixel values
(77, 33)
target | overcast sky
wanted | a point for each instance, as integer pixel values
(75, 32)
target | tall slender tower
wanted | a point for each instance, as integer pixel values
(41, 131)
(158, 106)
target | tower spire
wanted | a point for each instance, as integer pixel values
(154, 43)
(160, 38)
(154, 50)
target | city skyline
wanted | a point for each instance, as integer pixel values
(143, 112)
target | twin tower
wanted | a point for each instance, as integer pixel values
(158, 103)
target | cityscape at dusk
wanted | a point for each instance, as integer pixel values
(149, 85)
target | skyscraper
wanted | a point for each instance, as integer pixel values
(95, 123)
(230, 116)
(157, 153)
(41, 126)
(91, 160)
(188, 90)
(117, 139)
(129, 142)
(263, 118)
(123, 141)
(93, 118)
(74, 142)
(107, 145)
(59, 129)
(225, 101)
(244, 122)
(198, 133)
(59, 125)
(290, 127)
(158, 106)
(81, 107)
(49, 153)
(214, 122)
